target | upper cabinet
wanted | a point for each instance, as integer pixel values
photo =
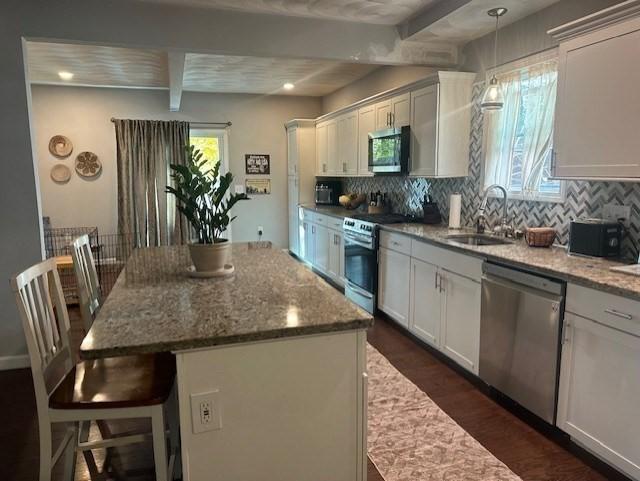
(441, 126)
(598, 106)
(438, 110)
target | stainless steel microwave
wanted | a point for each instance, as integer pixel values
(389, 151)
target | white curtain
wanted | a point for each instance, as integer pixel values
(538, 102)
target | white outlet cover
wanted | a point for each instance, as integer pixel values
(614, 212)
(239, 188)
(213, 399)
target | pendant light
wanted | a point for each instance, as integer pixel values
(493, 98)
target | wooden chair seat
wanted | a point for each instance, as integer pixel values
(116, 382)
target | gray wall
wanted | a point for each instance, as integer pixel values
(83, 114)
(381, 79)
(526, 36)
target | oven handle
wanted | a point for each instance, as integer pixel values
(358, 241)
(359, 290)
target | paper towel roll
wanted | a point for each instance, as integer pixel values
(455, 206)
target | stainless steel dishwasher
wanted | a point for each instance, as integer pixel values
(520, 336)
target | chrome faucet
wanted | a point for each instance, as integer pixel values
(505, 228)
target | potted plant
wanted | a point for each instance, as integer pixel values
(202, 197)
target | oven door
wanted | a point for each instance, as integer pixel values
(360, 268)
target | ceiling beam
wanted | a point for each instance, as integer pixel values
(428, 17)
(175, 63)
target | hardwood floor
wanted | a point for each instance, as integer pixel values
(529, 453)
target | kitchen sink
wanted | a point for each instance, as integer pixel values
(478, 239)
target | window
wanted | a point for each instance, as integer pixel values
(519, 138)
(210, 142)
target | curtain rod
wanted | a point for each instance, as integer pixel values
(228, 124)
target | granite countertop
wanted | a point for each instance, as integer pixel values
(332, 210)
(155, 306)
(553, 261)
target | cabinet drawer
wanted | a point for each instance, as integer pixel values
(461, 264)
(320, 219)
(608, 309)
(308, 215)
(334, 223)
(395, 242)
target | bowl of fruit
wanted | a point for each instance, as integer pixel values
(352, 201)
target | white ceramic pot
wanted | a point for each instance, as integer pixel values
(210, 257)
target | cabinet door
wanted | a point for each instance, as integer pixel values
(383, 115)
(321, 244)
(332, 148)
(424, 130)
(322, 165)
(292, 151)
(424, 314)
(366, 125)
(597, 109)
(461, 319)
(393, 285)
(599, 391)
(294, 234)
(348, 143)
(401, 110)
(336, 256)
(308, 246)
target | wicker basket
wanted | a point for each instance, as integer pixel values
(540, 236)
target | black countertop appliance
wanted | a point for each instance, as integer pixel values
(595, 237)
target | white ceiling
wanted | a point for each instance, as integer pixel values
(384, 12)
(126, 67)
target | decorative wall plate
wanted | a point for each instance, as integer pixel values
(87, 164)
(60, 146)
(60, 173)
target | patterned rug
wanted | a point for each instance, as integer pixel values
(411, 439)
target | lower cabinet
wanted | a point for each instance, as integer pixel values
(600, 388)
(321, 239)
(393, 284)
(425, 311)
(322, 246)
(307, 242)
(336, 256)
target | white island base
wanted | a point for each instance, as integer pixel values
(290, 409)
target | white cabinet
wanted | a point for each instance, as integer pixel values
(393, 112)
(347, 126)
(332, 147)
(292, 151)
(321, 244)
(460, 339)
(599, 376)
(336, 256)
(393, 284)
(441, 126)
(366, 124)
(597, 109)
(382, 115)
(322, 162)
(293, 215)
(424, 315)
(308, 247)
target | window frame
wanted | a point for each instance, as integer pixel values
(519, 64)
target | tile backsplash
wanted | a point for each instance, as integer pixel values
(583, 199)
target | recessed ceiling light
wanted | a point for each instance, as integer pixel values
(288, 86)
(65, 75)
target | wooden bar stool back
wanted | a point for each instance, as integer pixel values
(69, 392)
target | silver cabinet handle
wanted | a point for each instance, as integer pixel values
(623, 315)
(344, 167)
(565, 336)
(395, 243)
(442, 279)
(324, 167)
(393, 119)
(436, 276)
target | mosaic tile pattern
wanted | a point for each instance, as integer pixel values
(583, 199)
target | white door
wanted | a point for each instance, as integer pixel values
(393, 285)
(321, 243)
(460, 331)
(292, 151)
(424, 314)
(401, 110)
(366, 125)
(599, 391)
(332, 148)
(321, 149)
(294, 227)
(348, 143)
(383, 115)
(424, 130)
(598, 106)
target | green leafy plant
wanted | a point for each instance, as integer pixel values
(202, 196)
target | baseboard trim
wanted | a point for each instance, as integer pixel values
(14, 362)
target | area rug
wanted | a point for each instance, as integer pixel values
(411, 439)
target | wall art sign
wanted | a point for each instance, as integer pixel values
(257, 164)
(257, 186)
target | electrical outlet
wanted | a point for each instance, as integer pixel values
(260, 231)
(239, 188)
(615, 212)
(205, 412)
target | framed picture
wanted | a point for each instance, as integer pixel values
(257, 164)
(257, 186)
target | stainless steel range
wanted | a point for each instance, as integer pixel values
(361, 256)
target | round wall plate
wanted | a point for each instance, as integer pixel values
(60, 146)
(88, 165)
(60, 173)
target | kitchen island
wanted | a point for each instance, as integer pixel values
(277, 353)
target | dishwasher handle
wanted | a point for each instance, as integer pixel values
(525, 279)
(531, 290)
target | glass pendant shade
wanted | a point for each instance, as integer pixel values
(493, 98)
